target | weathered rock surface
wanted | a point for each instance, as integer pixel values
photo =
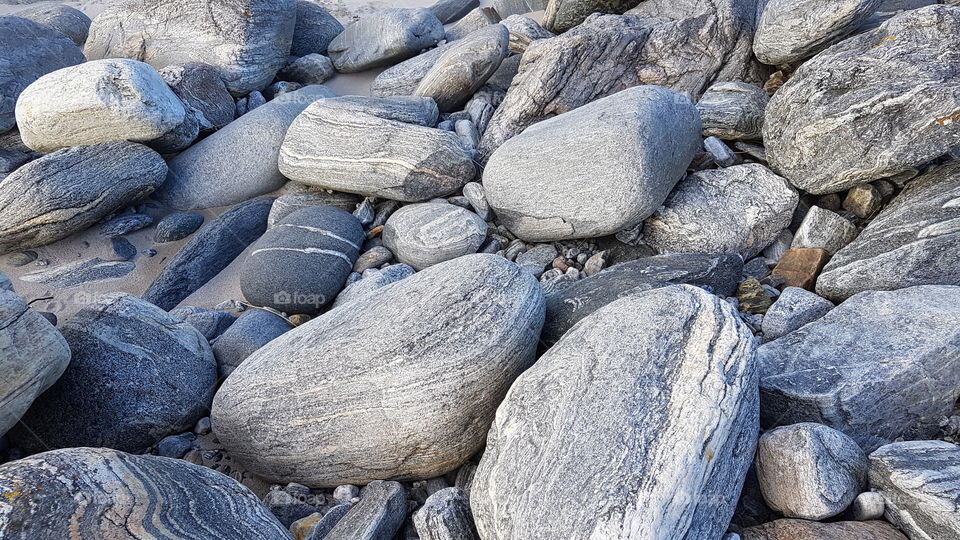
(209, 322)
(733, 111)
(79, 273)
(738, 209)
(801, 529)
(879, 366)
(640, 142)
(423, 235)
(562, 15)
(102, 493)
(403, 78)
(456, 334)
(446, 516)
(176, 227)
(385, 37)
(372, 280)
(310, 69)
(463, 68)
(379, 514)
(791, 30)
(449, 11)
(250, 332)
(69, 21)
(615, 388)
(90, 183)
(794, 308)
(247, 40)
(417, 110)
(518, 7)
(315, 29)
(475, 20)
(824, 229)
(200, 87)
(523, 32)
(288, 204)
(872, 106)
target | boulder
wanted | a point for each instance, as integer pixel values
(872, 106)
(458, 332)
(403, 78)
(449, 11)
(315, 29)
(733, 111)
(200, 87)
(379, 514)
(247, 40)
(290, 203)
(824, 229)
(372, 280)
(615, 388)
(418, 110)
(879, 366)
(426, 234)
(801, 529)
(383, 38)
(518, 7)
(639, 142)
(446, 516)
(476, 20)
(250, 332)
(313, 68)
(523, 32)
(463, 68)
(90, 183)
(69, 21)
(793, 309)
(562, 15)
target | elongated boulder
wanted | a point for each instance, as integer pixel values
(639, 144)
(102, 493)
(913, 241)
(562, 15)
(418, 110)
(403, 78)
(465, 67)
(879, 366)
(379, 514)
(791, 30)
(385, 37)
(423, 235)
(872, 106)
(617, 388)
(70, 22)
(247, 40)
(315, 29)
(90, 183)
(402, 384)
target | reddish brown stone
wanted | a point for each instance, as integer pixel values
(799, 267)
(799, 529)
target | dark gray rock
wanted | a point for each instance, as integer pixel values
(379, 514)
(176, 446)
(385, 37)
(463, 68)
(209, 322)
(449, 11)
(423, 235)
(127, 224)
(824, 229)
(89, 271)
(288, 204)
(310, 69)
(315, 29)
(329, 521)
(121, 250)
(792, 30)
(180, 137)
(288, 505)
(793, 309)
(562, 15)
(372, 280)
(250, 332)
(403, 78)
(177, 227)
(733, 111)
(446, 516)
(69, 21)
(201, 88)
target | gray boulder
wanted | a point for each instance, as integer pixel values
(418, 110)
(252, 330)
(385, 37)
(523, 31)
(403, 78)
(613, 391)
(793, 309)
(209, 322)
(69, 21)
(879, 366)
(477, 19)
(290, 203)
(200, 87)
(176, 227)
(423, 235)
(733, 111)
(446, 516)
(459, 332)
(83, 272)
(379, 514)
(802, 529)
(791, 30)
(449, 11)
(90, 183)
(639, 144)
(371, 281)
(824, 229)
(849, 115)
(315, 29)
(313, 68)
(463, 68)
(562, 15)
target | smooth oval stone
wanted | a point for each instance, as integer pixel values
(249, 332)
(69, 21)
(422, 235)
(383, 38)
(177, 227)
(402, 384)
(791, 30)
(102, 493)
(315, 29)
(464, 67)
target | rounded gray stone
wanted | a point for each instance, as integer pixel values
(423, 235)
(463, 68)
(384, 37)
(733, 111)
(562, 15)
(69, 21)
(249, 332)
(315, 29)
(793, 309)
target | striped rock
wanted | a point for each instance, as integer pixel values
(302, 262)
(402, 384)
(733, 111)
(422, 235)
(418, 110)
(465, 67)
(200, 87)
(562, 15)
(383, 38)
(290, 203)
(102, 493)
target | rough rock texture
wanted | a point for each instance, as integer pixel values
(403, 78)
(733, 111)
(879, 366)
(791, 30)
(176, 227)
(315, 29)
(872, 106)
(739, 209)
(450, 340)
(639, 144)
(136, 375)
(385, 37)
(562, 15)
(91, 182)
(79, 273)
(379, 514)
(475, 20)
(463, 68)
(794, 308)
(913, 241)
(373, 279)
(518, 7)
(423, 235)
(247, 40)
(418, 110)
(446, 516)
(801, 529)
(615, 388)
(199, 86)
(919, 481)
(288, 204)
(252, 330)
(824, 229)
(523, 32)
(102, 493)
(69, 21)
(29, 50)
(310, 69)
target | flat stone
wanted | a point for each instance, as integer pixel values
(127, 224)
(562, 15)
(824, 229)
(446, 516)
(799, 267)
(251, 331)
(315, 29)
(177, 226)
(310, 69)
(383, 38)
(449, 11)
(200, 87)
(801, 529)
(69, 21)
(733, 111)
(794, 308)
(537, 258)
(463, 68)
(76, 274)
(422, 235)
(791, 30)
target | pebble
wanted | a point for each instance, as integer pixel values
(753, 297)
(177, 226)
(85, 272)
(868, 506)
(375, 257)
(309, 69)
(122, 249)
(209, 322)
(537, 258)
(422, 235)
(474, 192)
(863, 201)
(176, 446)
(122, 225)
(793, 309)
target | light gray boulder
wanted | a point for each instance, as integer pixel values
(733, 111)
(613, 391)
(247, 40)
(315, 29)
(402, 384)
(200, 87)
(824, 229)
(449, 11)
(403, 78)
(426, 234)
(791, 30)
(793, 309)
(879, 366)
(379, 514)
(313, 68)
(562, 15)
(383, 38)
(417, 110)
(639, 144)
(465, 67)
(91, 182)
(446, 516)
(738, 209)
(872, 106)
(477, 19)
(913, 241)
(69, 21)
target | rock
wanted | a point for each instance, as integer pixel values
(250, 332)
(562, 15)
(209, 322)
(475, 193)
(824, 229)
(208, 252)
(379, 514)
(329, 521)
(239, 161)
(383, 38)
(300, 264)
(127, 224)
(403, 78)
(799, 267)
(449, 11)
(176, 446)
(200, 87)
(537, 258)
(719, 152)
(373, 279)
(315, 29)
(121, 250)
(446, 516)
(180, 137)
(29, 50)
(91, 182)
(422, 111)
(310, 69)
(739, 209)
(867, 506)
(863, 201)
(467, 131)
(302, 528)
(426, 234)
(176, 227)
(288, 204)
(475, 20)
(523, 32)
(101, 493)
(753, 298)
(794, 308)
(790, 31)
(463, 68)
(801, 529)
(248, 40)
(336, 148)
(640, 142)
(374, 257)
(70, 22)
(842, 119)
(491, 314)
(918, 481)
(733, 111)
(611, 389)
(515, 7)
(913, 241)
(877, 367)
(85, 272)
(810, 471)
(136, 375)
(289, 505)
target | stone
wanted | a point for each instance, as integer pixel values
(127, 224)
(421, 111)
(793, 309)
(101, 493)
(383, 38)
(810, 471)
(523, 32)
(612, 390)
(176, 446)
(475, 193)
(346, 493)
(719, 152)
(302, 528)
(315, 29)
(208, 252)
(70, 22)
(373, 280)
(467, 131)
(877, 367)
(537, 258)
(29, 50)
(76, 274)
(379, 514)
(403, 78)
(91, 182)
(753, 298)
(515, 7)
(422, 235)
(329, 521)
(288, 204)
(562, 15)
(300, 264)
(251, 331)
(247, 41)
(790, 31)
(288, 505)
(801, 529)
(824, 229)
(640, 142)
(449, 11)
(843, 117)
(799, 267)
(739, 209)
(733, 111)
(475, 20)
(868, 505)
(446, 516)
(200, 87)
(238, 162)
(463, 68)
(136, 375)
(310, 69)
(491, 314)
(374, 257)
(177, 226)
(209, 322)
(863, 201)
